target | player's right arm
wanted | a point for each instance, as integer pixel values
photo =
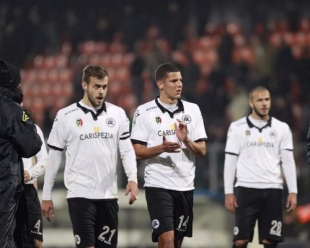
(139, 136)
(56, 143)
(230, 165)
(143, 152)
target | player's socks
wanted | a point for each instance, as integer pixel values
(245, 246)
(274, 245)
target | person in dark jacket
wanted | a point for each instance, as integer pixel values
(18, 138)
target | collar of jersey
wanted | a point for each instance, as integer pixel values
(95, 115)
(250, 124)
(179, 109)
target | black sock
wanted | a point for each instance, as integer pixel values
(245, 246)
(274, 245)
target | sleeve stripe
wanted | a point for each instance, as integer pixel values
(55, 148)
(125, 133)
(234, 154)
(133, 141)
(289, 150)
(202, 139)
(125, 137)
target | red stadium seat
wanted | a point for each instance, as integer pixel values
(49, 62)
(61, 61)
(88, 47)
(65, 75)
(53, 75)
(100, 47)
(38, 61)
(105, 60)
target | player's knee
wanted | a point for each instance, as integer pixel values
(37, 243)
(166, 240)
(241, 244)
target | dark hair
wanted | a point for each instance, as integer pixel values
(163, 70)
(93, 71)
(257, 88)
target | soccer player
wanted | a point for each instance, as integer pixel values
(257, 147)
(31, 173)
(92, 131)
(169, 132)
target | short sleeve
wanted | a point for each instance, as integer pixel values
(58, 136)
(139, 126)
(287, 140)
(43, 151)
(199, 132)
(232, 142)
(124, 126)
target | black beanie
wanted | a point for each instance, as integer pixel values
(10, 79)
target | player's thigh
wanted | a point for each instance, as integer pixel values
(34, 212)
(183, 213)
(161, 210)
(83, 214)
(270, 221)
(246, 213)
(107, 224)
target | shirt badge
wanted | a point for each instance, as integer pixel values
(110, 122)
(186, 119)
(79, 122)
(158, 119)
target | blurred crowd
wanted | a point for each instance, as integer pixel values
(223, 48)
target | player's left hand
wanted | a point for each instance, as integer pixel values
(291, 202)
(132, 188)
(181, 130)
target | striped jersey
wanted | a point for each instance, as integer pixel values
(175, 171)
(92, 141)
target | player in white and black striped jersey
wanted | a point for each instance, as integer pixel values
(169, 132)
(33, 168)
(94, 133)
(257, 147)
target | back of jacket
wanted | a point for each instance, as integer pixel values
(18, 138)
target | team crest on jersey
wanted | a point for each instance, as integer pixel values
(186, 119)
(236, 230)
(158, 119)
(273, 134)
(79, 122)
(247, 133)
(155, 223)
(77, 239)
(110, 122)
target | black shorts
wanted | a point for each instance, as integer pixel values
(264, 205)
(94, 222)
(34, 212)
(170, 210)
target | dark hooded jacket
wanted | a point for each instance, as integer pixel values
(18, 138)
